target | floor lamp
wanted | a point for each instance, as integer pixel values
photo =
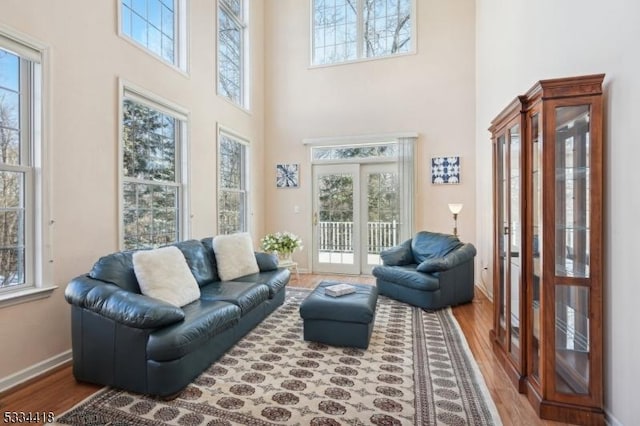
(455, 208)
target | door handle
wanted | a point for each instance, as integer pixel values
(315, 218)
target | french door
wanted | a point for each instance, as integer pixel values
(356, 215)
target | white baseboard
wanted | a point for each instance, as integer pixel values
(610, 419)
(34, 371)
(483, 290)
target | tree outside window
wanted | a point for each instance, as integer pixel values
(231, 46)
(17, 190)
(345, 30)
(151, 176)
(232, 185)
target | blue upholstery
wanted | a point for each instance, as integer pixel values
(430, 270)
(124, 339)
(340, 321)
(245, 295)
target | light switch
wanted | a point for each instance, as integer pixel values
(296, 209)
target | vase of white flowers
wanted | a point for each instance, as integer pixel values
(281, 243)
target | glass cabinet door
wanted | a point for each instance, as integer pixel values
(572, 191)
(503, 234)
(572, 241)
(514, 227)
(509, 235)
(536, 249)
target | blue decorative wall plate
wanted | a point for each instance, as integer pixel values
(445, 170)
(287, 176)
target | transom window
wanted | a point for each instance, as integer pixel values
(231, 50)
(349, 152)
(347, 30)
(157, 26)
(152, 176)
(232, 184)
(21, 195)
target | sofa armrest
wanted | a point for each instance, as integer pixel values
(266, 261)
(125, 307)
(448, 261)
(398, 255)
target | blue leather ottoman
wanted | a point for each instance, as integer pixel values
(340, 321)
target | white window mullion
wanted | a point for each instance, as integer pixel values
(28, 129)
(185, 179)
(29, 226)
(360, 30)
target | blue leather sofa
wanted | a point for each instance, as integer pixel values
(430, 270)
(124, 339)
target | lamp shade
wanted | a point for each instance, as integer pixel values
(455, 208)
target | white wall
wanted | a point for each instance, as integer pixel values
(519, 42)
(431, 92)
(87, 58)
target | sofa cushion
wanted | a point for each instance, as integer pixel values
(199, 261)
(266, 261)
(448, 261)
(203, 320)
(407, 276)
(208, 245)
(116, 268)
(164, 274)
(435, 264)
(398, 255)
(234, 255)
(274, 280)
(429, 245)
(243, 294)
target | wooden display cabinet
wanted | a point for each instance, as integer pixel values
(548, 273)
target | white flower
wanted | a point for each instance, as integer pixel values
(281, 242)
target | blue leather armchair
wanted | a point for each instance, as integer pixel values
(430, 270)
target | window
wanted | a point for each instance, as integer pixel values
(156, 25)
(232, 184)
(346, 30)
(391, 192)
(22, 198)
(153, 181)
(350, 152)
(231, 50)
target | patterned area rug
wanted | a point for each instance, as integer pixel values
(417, 370)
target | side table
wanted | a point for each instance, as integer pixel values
(290, 265)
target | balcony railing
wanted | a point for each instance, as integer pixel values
(338, 236)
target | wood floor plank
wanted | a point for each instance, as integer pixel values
(58, 391)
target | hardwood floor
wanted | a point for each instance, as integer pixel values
(58, 391)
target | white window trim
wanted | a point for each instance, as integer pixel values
(338, 141)
(131, 91)
(41, 256)
(358, 139)
(247, 173)
(412, 51)
(182, 44)
(245, 69)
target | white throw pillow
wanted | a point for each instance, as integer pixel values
(164, 274)
(234, 256)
